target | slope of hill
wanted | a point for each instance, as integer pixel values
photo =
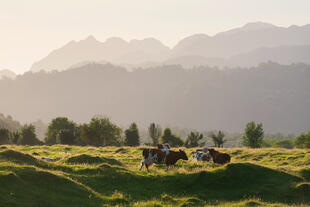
(274, 177)
(7, 74)
(204, 98)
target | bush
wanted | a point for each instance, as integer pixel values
(132, 137)
(303, 140)
(171, 139)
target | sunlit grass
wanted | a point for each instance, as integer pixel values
(91, 176)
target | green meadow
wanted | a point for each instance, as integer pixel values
(110, 176)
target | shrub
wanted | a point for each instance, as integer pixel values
(171, 139)
(132, 137)
(303, 140)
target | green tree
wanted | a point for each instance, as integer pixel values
(193, 139)
(101, 132)
(132, 137)
(28, 136)
(253, 135)
(218, 139)
(14, 137)
(4, 136)
(303, 140)
(171, 139)
(154, 132)
(58, 128)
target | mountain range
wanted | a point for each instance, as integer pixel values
(245, 46)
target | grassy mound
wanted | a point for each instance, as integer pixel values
(25, 186)
(88, 159)
(18, 157)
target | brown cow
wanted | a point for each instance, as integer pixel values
(158, 156)
(219, 157)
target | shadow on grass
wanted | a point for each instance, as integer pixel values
(233, 182)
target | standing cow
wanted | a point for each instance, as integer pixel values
(159, 156)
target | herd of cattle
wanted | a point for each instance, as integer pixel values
(163, 155)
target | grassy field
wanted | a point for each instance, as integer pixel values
(109, 176)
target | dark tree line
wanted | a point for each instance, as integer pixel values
(101, 131)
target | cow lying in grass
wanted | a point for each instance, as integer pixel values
(159, 156)
(202, 155)
(219, 157)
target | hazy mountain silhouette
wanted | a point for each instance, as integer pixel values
(202, 98)
(246, 46)
(281, 54)
(113, 50)
(7, 73)
(242, 40)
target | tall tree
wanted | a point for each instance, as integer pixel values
(132, 137)
(154, 132)
(253, 135)
(28, 136)
(193, 139)
(101, 132)
(4, 136)
(57, 128)
(218, 139)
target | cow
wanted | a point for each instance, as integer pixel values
(202, 156)
(219, 157)
(159, 156)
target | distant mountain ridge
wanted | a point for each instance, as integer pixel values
(7, 73)
(231, 48)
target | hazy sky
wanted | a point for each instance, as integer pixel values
(30, 29)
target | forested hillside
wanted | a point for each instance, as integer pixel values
(203, 98)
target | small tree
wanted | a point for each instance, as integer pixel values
(218, 139)
(58, 126)
(192, 139)
(28, 136)
(4, 136)
(100, 132)
(171, 139)
(154, 132)
(132, 137)
(303, 141)
(253, 135)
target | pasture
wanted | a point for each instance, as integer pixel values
(110, 176)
